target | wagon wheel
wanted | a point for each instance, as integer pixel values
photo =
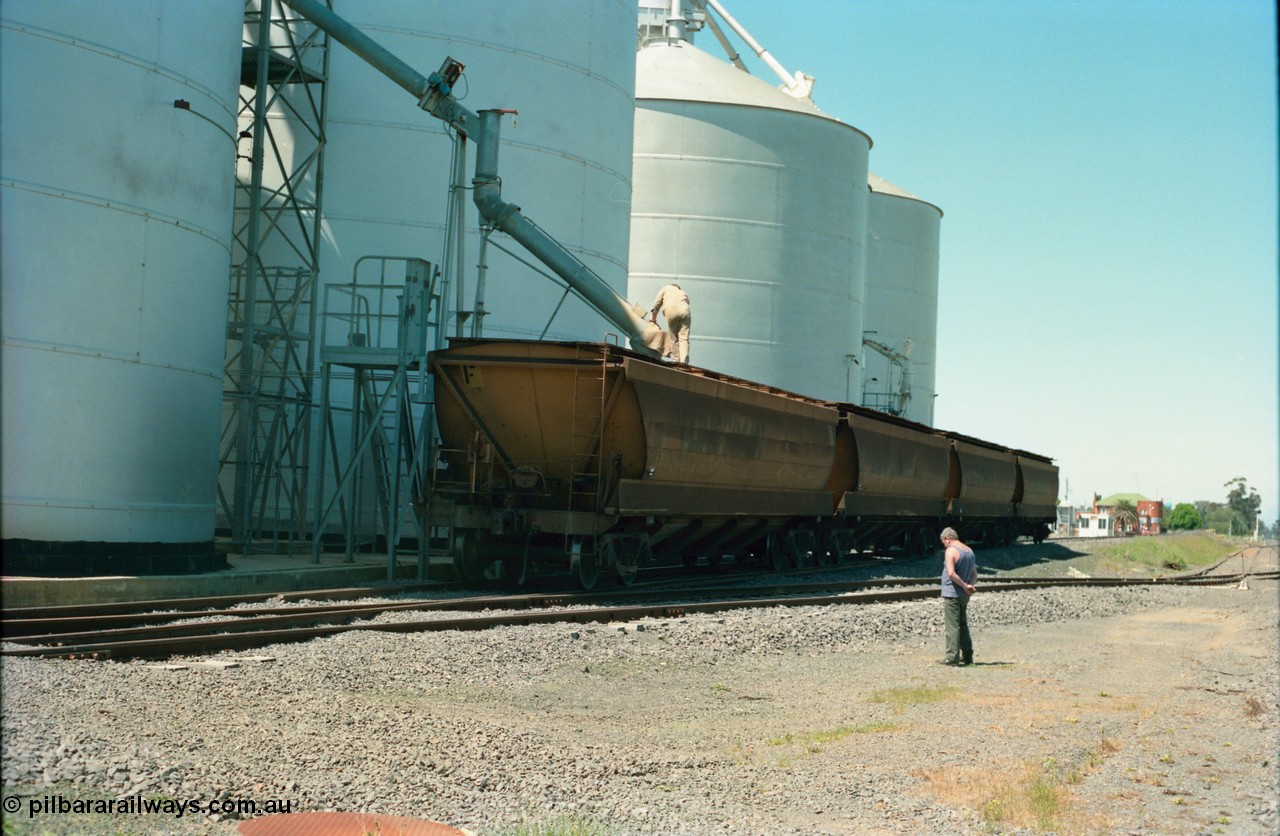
(823, 557)
(583, 565)
(918, 542)
(835, 547)
(843, 543)
(624, 555)
(823, 553)
(515, 566)
(801, 548)
(467, 562)
(775, 552)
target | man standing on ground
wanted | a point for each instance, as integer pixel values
(674, 304)
(959, 574)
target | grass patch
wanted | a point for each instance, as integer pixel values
(1033, 795)
(559, 826)
(1106, 746)
(900, 698)
(802, 745)
(817, 738)
(1167, 553)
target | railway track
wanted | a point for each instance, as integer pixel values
(23, 623)
(80, 633)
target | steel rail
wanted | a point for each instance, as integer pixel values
(12, 628)
(130, 607)
(212, 638)
(238, 620)
(176, 608)
(16, 624)
(1240, 554)
(30, 621)
(241, 620)
(19, 621)
(136, 625)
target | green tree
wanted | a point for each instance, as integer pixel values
(1125, 514)
(1226, 520)
(1244, 500)
(1205, 508)
(1184, 517)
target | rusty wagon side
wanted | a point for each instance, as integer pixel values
(598, 458)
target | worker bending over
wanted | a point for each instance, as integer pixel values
(674, 304)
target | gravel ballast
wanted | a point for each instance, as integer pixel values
(1139, 708)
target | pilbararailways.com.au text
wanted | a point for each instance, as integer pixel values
(138, 805)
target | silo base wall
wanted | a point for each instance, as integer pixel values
(43, 559)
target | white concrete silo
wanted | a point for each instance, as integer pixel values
(566, 66)
(756, 204)
(902, 301)
(116, 218)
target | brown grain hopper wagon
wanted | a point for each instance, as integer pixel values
(594, 457)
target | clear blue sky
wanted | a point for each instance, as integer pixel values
(1108, 275)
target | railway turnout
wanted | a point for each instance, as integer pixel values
(159, 629)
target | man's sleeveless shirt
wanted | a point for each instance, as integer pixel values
(966, 568)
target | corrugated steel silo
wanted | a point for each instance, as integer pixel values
(116, 211)
(902, 297)
(756, 204)
(566, 66)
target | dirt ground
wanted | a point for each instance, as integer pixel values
(1162, 721)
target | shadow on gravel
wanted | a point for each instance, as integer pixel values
(1042, 558)
(1023, 555)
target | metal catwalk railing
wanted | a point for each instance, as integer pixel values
(377, 446)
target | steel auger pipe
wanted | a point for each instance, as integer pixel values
(435, 96)
(432, 92)
(487, 194)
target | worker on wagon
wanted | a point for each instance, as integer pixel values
(674, 304)
(959, 576)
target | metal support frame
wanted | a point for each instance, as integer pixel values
(376, 332)
(893, 401)
(269, 375)
(798, 85)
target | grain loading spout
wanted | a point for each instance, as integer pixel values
(902, 362)
(435, 95)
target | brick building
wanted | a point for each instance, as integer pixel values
(1150, 513)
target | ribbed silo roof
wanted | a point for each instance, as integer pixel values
(682, 72)
(879, 185)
